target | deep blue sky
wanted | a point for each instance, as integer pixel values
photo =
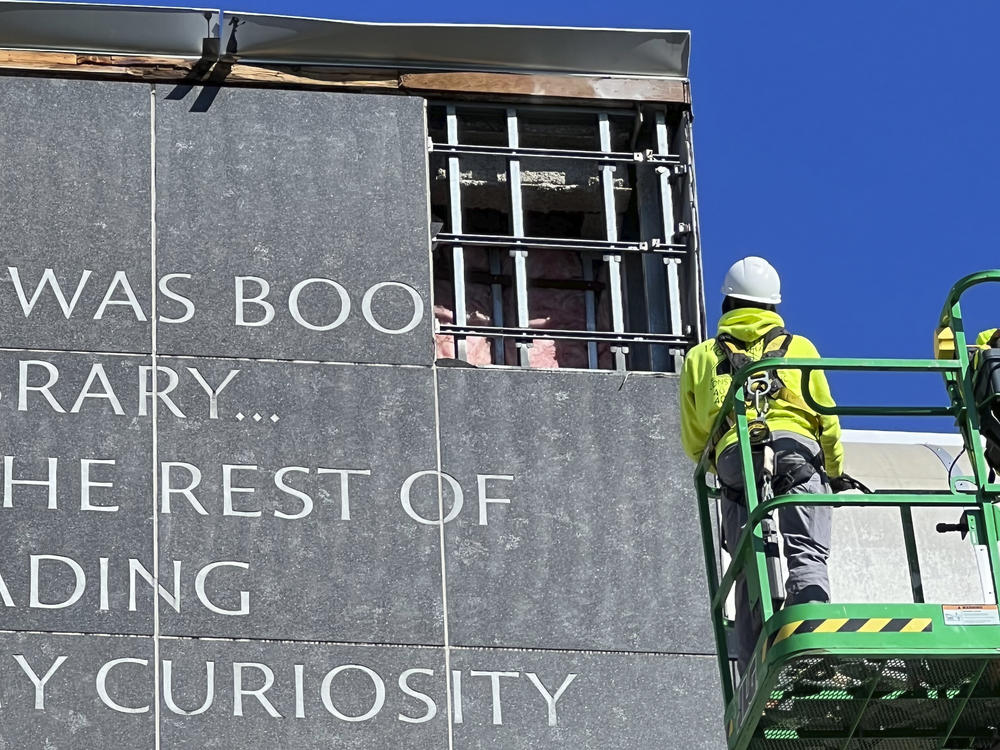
(852, 143)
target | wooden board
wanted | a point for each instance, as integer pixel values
(181, 70)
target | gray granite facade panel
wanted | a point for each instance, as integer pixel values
(600, 531)
(320, 563)
(311, 697)
(314, 202)
(74, 215)
(94, 692)
(77, 495)
(533, 699)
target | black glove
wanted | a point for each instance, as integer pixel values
(846, 482)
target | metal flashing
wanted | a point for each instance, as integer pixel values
(106, 29)
(527, 49)
(85, 28)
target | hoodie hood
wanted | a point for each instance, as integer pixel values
(748, 324)
(983, 339)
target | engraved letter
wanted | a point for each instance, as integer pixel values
(166, 471)
(145, 392)
(213, 393)
(86, 484)
(168, 693)
(106, 392)
(39, 683)
(495, 687)
(260, 300)
(48, 277)
(81, 582)
(239, 692)
(9, 482)
(328, 699)
(166, 292)
(102, 686)
(423, 697)
(418, 308)
(456, 489)
(134, 567)
(484, 499)
(307, 502)
(199, 589)
(550, 700)
(293, 305)
(23, 387)
(228, 491)
(120, 279)
(345, 500)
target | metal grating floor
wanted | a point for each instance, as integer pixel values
(855, 703)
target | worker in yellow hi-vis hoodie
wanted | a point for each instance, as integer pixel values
(807, 448)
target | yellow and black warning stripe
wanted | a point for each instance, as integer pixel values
(850, 625)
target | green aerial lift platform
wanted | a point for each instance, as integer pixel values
(866, 676)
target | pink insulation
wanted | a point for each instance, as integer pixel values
(548, 308)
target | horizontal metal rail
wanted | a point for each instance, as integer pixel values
(830, 365)
(570, 335)
(941, 499)
(467, 106)
(962, 286)
(553, 153)
(541, 243)
(560, 243)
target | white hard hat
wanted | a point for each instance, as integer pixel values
(753, 279)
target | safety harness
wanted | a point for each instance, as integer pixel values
(761, 389)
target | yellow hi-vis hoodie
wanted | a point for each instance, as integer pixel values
(703, 390)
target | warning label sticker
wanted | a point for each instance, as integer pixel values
(971, 614)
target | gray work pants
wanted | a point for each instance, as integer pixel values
(804, 529)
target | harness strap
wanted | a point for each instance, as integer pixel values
(781, 480)
(736, 357)
(735, 351)
(802, 473)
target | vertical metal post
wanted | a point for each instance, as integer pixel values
(653, 272)
(517, 229)
(721, 644)
(611, 232)
(590, 302)
(697, 318)
(757, 583)
(669, 229)
(457, 252)
(910, 542)
(977, 535)
(496, 297)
